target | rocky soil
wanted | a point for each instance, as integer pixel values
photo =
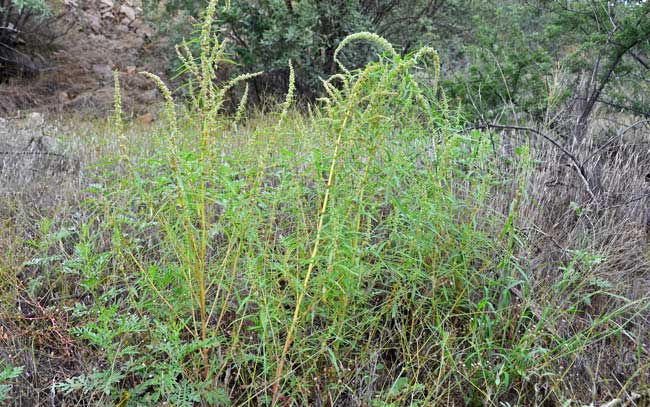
(101, 35)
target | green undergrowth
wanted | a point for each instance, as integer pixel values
(203, 289)
(347, 255)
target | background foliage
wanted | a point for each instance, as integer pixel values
(540, 61)
(266, 34)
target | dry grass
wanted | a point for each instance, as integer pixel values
(562, 224)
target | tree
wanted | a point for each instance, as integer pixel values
(602, 48)
(614, 38)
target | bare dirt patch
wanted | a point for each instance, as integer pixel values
(102, 36)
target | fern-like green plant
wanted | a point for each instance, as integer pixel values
(7, 374)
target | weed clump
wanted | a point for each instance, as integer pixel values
(348, 257)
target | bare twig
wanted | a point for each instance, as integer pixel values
(578, 166)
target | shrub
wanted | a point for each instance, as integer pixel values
(306, 262)
(349, 258)
(266, 35)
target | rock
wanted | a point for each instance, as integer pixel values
(8, 105)
(128, 11)
(132, 41)
(103, 71)
(146, 118)
(106, 9)
(130, 70)
(63, 97)
(35, 119)
(93, 21)
(93, 99)
(147, 95)
(146, 30)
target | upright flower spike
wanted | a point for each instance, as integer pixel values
(288, 101)
(241, 108)
(170, 110)
(117, 104)
(118, 122)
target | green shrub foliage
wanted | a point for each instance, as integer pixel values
(552, 61)
(544, 61)
(264, 35)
